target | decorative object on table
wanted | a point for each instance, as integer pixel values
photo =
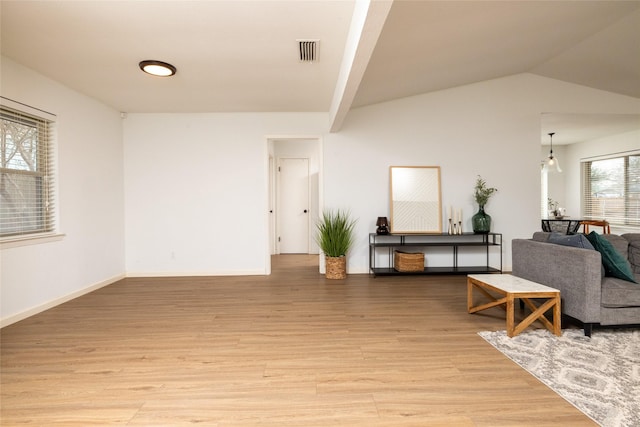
(554, 209)
(383, 225)
(415, 199)
(552, 205)
(551, 163)
(335, 235)
(481, 221)
(597, 375)
(408, 262)
(455, 221)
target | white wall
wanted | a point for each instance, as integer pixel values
(197, 190)
(195, 182)
(90, 201)
(490, 129)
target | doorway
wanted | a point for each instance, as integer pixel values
(295, 165)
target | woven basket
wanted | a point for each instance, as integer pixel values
(336, 267)
(408, 262)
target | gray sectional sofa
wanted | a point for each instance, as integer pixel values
(588, 295)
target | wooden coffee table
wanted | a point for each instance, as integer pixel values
(509, 288)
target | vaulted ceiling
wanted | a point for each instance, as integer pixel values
(242, 56)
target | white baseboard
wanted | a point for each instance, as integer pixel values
(50, 304)
(196, 273)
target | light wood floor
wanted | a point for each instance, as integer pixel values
(291, 349)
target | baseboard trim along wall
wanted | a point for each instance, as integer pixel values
(50, 304)
(197, 273)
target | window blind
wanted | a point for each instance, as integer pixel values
(611, 189)
(26, 173)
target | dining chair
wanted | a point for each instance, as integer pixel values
(606, 229)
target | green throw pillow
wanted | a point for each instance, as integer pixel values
(614, 264)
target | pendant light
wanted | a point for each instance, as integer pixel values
(551, 163)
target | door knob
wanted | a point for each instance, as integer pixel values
(305, 211)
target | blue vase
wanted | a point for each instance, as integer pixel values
(481, 221)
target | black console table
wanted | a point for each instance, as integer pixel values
(490, 244)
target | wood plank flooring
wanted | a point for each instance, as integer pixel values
(290, 349)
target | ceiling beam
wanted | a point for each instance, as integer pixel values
(366, 25)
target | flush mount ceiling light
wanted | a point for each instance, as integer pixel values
(551, 163)
(157, 68)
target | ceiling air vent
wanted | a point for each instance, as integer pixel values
(308, 50)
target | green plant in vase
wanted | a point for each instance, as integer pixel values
(335, 235)
(481, 221)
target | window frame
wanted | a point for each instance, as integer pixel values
(588, 202)
(46, 216)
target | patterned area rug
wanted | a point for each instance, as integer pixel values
(599, 375)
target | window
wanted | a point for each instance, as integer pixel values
(26, 180)
(611, 189)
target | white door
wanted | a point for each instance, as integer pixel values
(293, 206)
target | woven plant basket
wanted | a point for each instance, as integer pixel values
(336, 267)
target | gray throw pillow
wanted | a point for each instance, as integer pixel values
(574, 240)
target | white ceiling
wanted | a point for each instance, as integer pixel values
(241, 56)
(573, 128)
(432, 45)
(231, 55)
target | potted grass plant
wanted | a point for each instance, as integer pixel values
(335, 235)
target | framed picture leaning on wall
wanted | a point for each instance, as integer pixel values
(415, 199)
